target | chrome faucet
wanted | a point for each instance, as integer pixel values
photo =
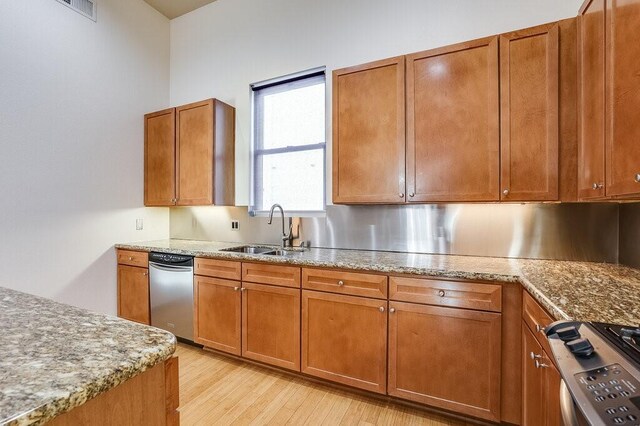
(287, 239)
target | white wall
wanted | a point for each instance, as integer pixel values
(72, 96)
(220, 49)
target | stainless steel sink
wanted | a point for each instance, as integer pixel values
(269, 251)
(250, 249)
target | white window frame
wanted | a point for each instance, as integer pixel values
(276, 85)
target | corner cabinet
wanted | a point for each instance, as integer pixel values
(369, 133)
(610, 99)
(190, 155)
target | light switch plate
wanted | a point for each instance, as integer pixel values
(139, 225)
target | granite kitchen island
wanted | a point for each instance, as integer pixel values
(68, 365)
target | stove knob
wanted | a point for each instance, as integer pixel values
(580, 347)
(568, 334)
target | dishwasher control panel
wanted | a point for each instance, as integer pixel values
(171, 259)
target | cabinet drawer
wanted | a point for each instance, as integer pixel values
(470, 295)
(356, 284)
(287, 276)
(536, 318)
(133, 258)
(226, 269)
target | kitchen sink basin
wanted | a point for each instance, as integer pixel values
(269, 251)
(250, 249)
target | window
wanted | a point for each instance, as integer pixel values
(288, 155)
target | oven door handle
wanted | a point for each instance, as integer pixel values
(567, 406)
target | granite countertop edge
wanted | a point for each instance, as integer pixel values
(518, 277)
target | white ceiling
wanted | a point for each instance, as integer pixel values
(174, 8)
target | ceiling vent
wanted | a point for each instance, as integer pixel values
(86, 8)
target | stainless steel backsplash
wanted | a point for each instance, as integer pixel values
(542, 231)
(630, 234)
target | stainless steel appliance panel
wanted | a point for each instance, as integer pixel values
(171, 294)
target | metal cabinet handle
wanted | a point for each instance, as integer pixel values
(505, 192)
(340, 283)
(236, 288)
(412, 195)
(534, 356)
(540, 364)
(540, 329)
(637, 177)
(392, 310)
(145, 273)
(401, 195)
(243, 289)
(441, 293)
(381, 308)
(130, 257)
(597, 185)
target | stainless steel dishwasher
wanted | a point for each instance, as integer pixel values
(171, 293)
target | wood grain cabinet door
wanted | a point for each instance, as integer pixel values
(369, 133)
(591, 72)
(552, 381)
(217, 316)
(623, 98)
(133, 294)
(533, 381)
(453, 136)
(194, 158)
(344, 339)
(446, 357)
(529, 115)
(159, 158)
(271, 325)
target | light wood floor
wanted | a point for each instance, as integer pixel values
(216, 390)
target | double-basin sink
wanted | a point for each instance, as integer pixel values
(262, 250)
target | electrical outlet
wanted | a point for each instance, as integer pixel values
(139, 225)
(235, 225)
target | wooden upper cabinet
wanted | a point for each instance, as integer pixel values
(202, 129)
(453, 136)
(591, 71)
(622, 98)
(529, 91)
(190, 155)
(369, 133)
(159, 158)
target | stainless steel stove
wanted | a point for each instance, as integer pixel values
(600, 367)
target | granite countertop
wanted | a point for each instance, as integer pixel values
(55, 357)
(582, 291)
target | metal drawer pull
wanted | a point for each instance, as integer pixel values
(540, 364)
(340, 283)
(535, 356)
(130, 257)
(145, 273)
(392, 310)
(441, 293)
(637, 177)
(381, 308)
(540, 329)
(236, 288)
(242, 289)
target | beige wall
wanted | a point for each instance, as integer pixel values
(72, 94)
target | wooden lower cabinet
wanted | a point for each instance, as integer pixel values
(446, 357)
(271, 325)
(133, 294)
(540, 384)
(344, 339)
(217, 316)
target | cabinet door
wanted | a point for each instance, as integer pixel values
(623, 98)
(133, 294)
(369, 133)
(344, 339)
(446, 357)
(217, 313)
(271, 325)
(453, 116)
(529, 114)
(553, 413)
(533, 385)
(591, 169)
(159, 158)
(194, 157)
